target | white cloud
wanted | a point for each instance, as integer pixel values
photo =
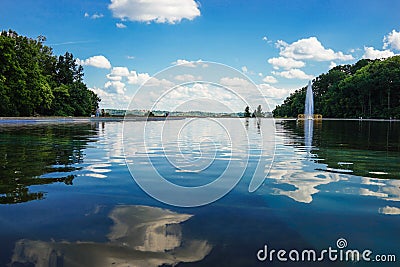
(245, 89)
(265, 38)
(372, 53)
(269, 79)
(200, 96)
(286, 63)
(270, 91)
(111, 99)
(97, 16)
(294, 74)
(96, 61)
(311, 49)
(332, 65)
(94, 16)
(132, 77)
(153, 82)
(235, 82)
(114, 78)
(280, 44)
(117, 73)
(117, 87)
(120, 25)
(187, 78)
(244, 69)
(120, 71)
(392, 40)
(137, 78)
(159, 11)
(190, 64)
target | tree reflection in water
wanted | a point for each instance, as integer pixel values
(27, 152)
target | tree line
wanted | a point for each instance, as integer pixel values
(368, 89)
(257, 113)
(33, 81)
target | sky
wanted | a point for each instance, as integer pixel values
(275, 46)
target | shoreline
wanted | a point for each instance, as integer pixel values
(51, 119)
(54, 119)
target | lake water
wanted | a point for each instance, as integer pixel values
(68, 198)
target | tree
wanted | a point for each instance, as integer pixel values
(247, 112)
(34, 81)
(259, 112)
(368, 88)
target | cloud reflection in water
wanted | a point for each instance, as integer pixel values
(140, 236)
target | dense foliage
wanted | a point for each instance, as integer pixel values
(33, 81)
(368, 89)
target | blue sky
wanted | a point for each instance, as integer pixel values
(279, 45)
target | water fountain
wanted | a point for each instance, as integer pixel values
(309, 104)
(308, 119)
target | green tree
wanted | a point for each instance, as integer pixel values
(34, 81)
(247, 112)
(368, 88)
(259, 112)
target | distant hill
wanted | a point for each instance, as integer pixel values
(368, 89)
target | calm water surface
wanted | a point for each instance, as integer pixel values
(67, 197)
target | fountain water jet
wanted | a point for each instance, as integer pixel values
(309, 104)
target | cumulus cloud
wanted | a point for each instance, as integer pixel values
(244, 69)
(392, 40)
(158, 11)
(120, 71)
(96, 61)
(270, 91)
(187, 78)
(137, 78)
(294, 74)
(120, 25)
(111, 99)
(235, 82)
(274, 95)
(190, 64)
(159, 83)
(310, 49)
(285, 63)
(269, 79)
(372, 53)
(332, 65)
(117, 87)
(199, 96)
(117, 73)
(131, 77)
